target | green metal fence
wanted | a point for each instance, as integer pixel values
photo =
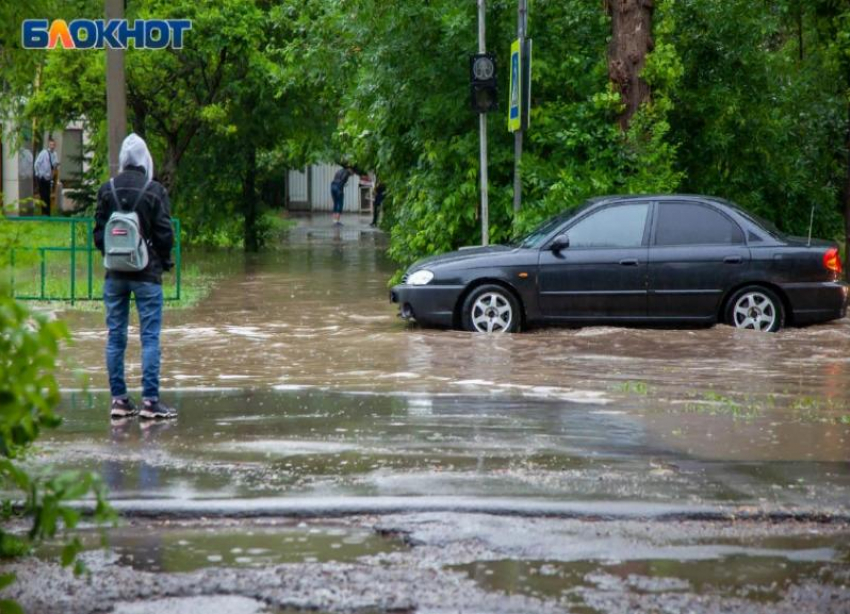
(80, 251)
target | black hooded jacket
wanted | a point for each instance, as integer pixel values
(154, 212)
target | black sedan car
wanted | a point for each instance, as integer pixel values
(663, 259)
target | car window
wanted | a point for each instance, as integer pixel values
(617, 226)
(766, 225)
(693, 224)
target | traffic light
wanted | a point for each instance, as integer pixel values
(482, 79)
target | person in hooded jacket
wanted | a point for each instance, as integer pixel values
(135, 183)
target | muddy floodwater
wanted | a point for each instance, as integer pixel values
(392, 468)
(316, 313)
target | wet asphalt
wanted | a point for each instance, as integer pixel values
(330, 457)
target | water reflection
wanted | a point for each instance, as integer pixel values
(172, 547)
(308, 442)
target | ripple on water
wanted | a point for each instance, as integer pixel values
(287, 447)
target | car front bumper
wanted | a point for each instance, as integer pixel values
(429, 305)
(817, 302)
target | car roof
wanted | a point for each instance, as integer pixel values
(657, 197)
(598, 201)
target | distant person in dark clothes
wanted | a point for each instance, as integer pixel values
(380, 192)
(44, 165)
(135, 186)
(338, 190)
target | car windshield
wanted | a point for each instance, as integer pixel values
(535, 238)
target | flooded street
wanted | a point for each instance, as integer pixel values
(595, 469)
(316, 313)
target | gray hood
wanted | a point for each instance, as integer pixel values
(134, 152)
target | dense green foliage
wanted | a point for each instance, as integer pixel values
(417, 130)
(749, 101)
(31, 346)
(224, 116)
(736, 111)
(29, 351)
(762, 118)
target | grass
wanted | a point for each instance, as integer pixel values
(714, 404)
(196, 284)
(638, 388)
(800, 409)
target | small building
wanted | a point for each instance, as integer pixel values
(310, 190)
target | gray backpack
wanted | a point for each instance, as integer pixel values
(124, 247)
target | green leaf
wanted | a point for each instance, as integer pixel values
(70, 551)
(7, 606)
(7, 580)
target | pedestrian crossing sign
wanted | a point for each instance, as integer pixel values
(515, 101)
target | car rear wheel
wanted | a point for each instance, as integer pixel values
(756, 308)
(491, 309)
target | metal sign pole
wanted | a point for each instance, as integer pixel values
(522, 15)
(116, 95)
(482, 118)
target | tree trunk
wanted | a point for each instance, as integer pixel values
(140, 114)
(631, 41)
(167, 171)
(249, 200)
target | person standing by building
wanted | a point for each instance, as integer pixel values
(338, 190)
(134, 190)
(45, 164)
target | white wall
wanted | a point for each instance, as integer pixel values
(297, 186)
(17, 172)
(323, 174)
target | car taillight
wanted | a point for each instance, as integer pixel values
(832, 261)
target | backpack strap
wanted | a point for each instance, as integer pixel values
(138, 198)
(114, 194)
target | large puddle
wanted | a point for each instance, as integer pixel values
(295, 379)
(761, 579)
(168, 547)
(316, 443)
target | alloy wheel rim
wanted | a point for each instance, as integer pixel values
(754, 311)
(492, 313)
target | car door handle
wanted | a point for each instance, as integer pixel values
(629, 262)
(733, 260)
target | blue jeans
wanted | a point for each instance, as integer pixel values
(337, 195)
(116, 296)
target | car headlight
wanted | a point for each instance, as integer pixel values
(420, 278)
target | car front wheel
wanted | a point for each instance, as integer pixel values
(491, 309)
(756, 308)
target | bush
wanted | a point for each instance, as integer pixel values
(29, 350)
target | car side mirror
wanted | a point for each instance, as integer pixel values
(560, 243)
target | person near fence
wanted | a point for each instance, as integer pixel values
(134, 190)
(44, 166)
